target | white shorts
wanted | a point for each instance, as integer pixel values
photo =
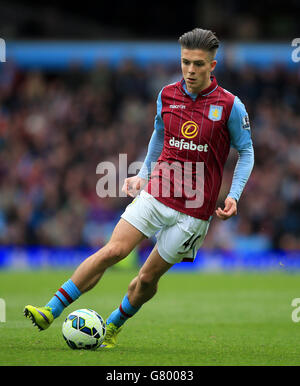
(179, 235)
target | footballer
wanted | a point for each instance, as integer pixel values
(197, 122)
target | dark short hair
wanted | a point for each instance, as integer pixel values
(200, 39)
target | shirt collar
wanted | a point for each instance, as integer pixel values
(213, 85)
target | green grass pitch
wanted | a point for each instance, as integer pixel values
(195, 319)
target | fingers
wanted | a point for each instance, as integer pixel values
(229, 210)
(224, 215)
(133, 189)
(131, 186)
(125, 186)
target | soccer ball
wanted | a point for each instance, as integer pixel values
(84, 329)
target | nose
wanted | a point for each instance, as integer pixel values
(191, 69)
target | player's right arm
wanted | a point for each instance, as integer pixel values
(133, 185)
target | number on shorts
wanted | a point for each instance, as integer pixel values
(189, 244)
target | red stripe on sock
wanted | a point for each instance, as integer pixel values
(123, 312)
(60, 300)
(66, 295)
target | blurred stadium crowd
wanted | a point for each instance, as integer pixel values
(56, 128)
(263, 20)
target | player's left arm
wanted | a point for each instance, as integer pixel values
(240, 136)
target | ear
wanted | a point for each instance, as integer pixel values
(213, 65)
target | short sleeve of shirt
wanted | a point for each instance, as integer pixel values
(239, 126)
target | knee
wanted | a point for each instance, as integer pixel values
(147, 280)
(132, 284)
(111, 253)
(116, 250)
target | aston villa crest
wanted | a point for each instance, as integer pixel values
(215, 112)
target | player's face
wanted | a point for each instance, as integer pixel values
(196, 66)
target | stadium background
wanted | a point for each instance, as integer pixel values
(79, 87)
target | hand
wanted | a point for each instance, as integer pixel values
(229, 210)
(133, 185)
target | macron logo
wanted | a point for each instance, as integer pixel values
(182, 144)
(177, 106)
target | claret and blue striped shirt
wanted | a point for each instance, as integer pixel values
(198, 128)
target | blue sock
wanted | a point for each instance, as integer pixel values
(121, 314)
(66, 295)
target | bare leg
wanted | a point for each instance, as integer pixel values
(124, 238)
(144, 286)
